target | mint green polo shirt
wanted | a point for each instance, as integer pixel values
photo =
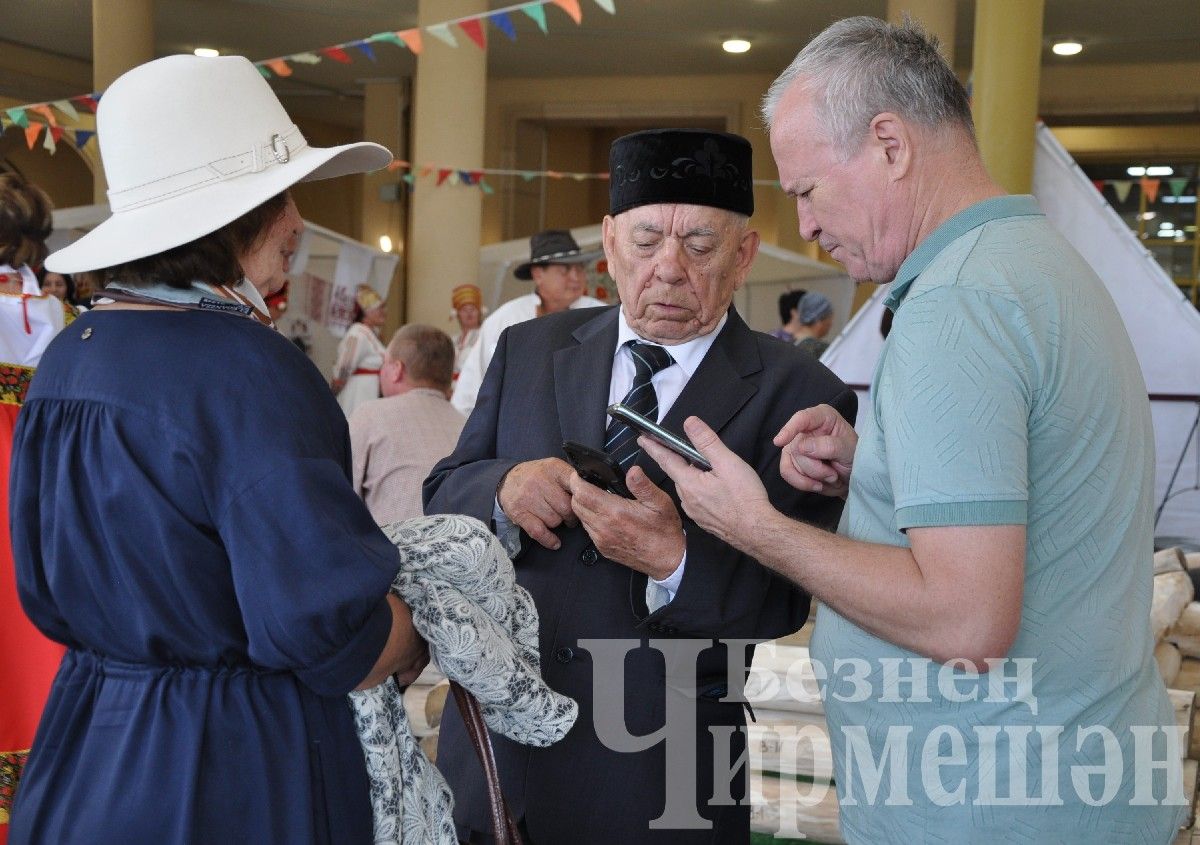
(1007, 393)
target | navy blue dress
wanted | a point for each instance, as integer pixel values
(183, 521)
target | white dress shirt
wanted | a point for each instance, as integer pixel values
(668, 384)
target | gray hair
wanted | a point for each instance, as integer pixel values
(860, 67)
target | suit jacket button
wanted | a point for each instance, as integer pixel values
(564, 655)
(589, 556)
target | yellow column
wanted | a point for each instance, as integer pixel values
(1006, 74)
(936, 16)
(381, 209)
(122, 38)
(448, 127)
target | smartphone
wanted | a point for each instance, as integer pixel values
(597, 468)
(675, 442)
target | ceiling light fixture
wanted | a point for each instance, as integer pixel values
(1067, 48)
(1136, 171)
(385, 243)
(1160, 170)
(735, 45)
(206, 52)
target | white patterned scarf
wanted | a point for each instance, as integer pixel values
(482, 630)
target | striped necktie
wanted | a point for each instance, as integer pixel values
(621, 439)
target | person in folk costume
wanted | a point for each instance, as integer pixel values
(29, 319)
(360, 352)
(467, 301)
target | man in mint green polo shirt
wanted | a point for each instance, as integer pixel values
(985, 629)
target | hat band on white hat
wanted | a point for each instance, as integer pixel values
(278, 150)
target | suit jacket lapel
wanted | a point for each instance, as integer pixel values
(581, 377)
(718, 389)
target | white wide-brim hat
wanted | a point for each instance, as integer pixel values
(190, 144)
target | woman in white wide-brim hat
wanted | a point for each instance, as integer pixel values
(183, 519)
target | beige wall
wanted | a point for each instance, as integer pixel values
(333, 203)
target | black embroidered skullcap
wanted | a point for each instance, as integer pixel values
(690, 166)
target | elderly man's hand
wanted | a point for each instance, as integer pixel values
(726, 502)
(818, 451)
(644, 533)
(536, 496)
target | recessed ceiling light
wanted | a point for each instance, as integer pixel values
(1160, 170)
(1136, 171)
(735, 45)
(1067, 48)
(206, 52)
(385, 243)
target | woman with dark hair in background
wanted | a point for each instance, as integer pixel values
(28, 322)
(183, 515)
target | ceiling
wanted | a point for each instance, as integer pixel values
(645, 37)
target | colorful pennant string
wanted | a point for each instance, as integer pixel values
(281, 66)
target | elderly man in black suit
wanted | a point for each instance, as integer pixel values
(603, 568)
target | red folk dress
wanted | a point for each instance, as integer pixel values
(28, 661)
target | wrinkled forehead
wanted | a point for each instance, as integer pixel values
(678, 220)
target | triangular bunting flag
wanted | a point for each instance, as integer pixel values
(474, 30)
(394, 165)
(1177, 186)
(453, 177)
(19, 117)
(88, 102)
(1099, 183)
(578, 177)
(66, 108)
(504, 23)
(410, 178)
(390, 37)
(485, 187)
(411, 37)
(443, 175)
(1122, 187)
(31, 133)
(366, 48)
(538, 13)
(266, 74)
(305, 58)
(82, 136)
(337, 54)
(528, 175)
(45, 112)
(57, 132)
(442, 33)
(607, 5)
(1150, 188)
(425, 170)
(571, 7)
(476, 175)
(279, 67)
(48, 143)
(554, 174)
(464, 177)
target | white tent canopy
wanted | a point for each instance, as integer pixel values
(1163, 324)
(775, 271)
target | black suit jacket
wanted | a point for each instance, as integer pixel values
(548, 382)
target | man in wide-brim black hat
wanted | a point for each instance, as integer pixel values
(557, 268)
(608, 572)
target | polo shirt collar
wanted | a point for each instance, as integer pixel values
(994, 208)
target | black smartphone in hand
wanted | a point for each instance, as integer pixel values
(597, 468)
(675, 442)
